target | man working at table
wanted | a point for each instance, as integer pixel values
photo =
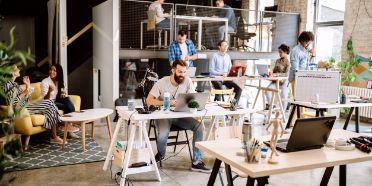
(225, 11)
(183, 49)
(220, 65)
(175, 84)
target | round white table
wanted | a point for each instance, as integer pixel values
(83, 117)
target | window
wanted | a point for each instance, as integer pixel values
(329, 29)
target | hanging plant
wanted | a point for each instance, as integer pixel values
(346, 66)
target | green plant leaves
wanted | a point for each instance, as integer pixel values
(351, 77)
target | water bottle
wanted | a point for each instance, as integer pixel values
(246, 132)
(343, 98)
(166, 101)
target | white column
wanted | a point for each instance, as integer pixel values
(62, 14)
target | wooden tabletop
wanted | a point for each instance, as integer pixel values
(222, 78)
(211, 109)
(87, 115)
(324, 105)
(225, 150)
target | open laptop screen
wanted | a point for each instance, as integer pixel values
(309, 133)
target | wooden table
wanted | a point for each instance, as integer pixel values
(138, 123)
(225, 151)
(320, 108)
(275, 97)
(83, 117)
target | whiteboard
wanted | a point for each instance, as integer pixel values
(324, 83)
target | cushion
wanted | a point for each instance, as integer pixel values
(37, 120)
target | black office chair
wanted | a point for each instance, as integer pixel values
(242, 33)
(175, 143)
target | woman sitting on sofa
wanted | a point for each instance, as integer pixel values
(44, 107)
(52, 88)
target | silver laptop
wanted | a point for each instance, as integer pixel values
(184, 98)
(262, 69)
(191, 72)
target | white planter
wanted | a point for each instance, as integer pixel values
(193, 110)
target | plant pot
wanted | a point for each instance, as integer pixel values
(193, 110)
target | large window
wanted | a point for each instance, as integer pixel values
(329, 28)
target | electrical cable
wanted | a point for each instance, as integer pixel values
(356, 19)
(200, 122)
(119, 174)
(365, 7)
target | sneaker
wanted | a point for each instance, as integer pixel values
(200, 167)
(158, 158)
(57, 140)
(72, 135)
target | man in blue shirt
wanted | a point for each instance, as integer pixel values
(183, 49)
(301, 55)
(224, 11)
(220, 65)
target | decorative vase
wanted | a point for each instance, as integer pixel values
(193, 110)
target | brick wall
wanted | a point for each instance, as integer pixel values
(362, 34)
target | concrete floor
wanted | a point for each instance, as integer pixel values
(176, 171)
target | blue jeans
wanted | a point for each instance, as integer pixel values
(283, 93)
(163, 128)
(65, 104)
(166, 24)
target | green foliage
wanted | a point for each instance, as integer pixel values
(9, 56)
(331, 60)
(193, 104)
(346, 66)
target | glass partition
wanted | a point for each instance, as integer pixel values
(139, 20)
(142, 28)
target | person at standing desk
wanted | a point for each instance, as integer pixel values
(162, 19)
(183, 49)
(175, 84)
(220, 65)
(301, 55)
(281, 67)
(225, 11)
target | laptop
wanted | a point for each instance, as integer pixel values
(235, 69)
(309, 133)
(184, 98)
(191, 72)
(262, 69)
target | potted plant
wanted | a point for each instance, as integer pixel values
(8, 57)
(329, 64)
(193, 105)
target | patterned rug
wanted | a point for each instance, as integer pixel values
(42, 154)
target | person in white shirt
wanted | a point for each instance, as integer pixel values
(176, 84)
(162, 19)
(52, 88)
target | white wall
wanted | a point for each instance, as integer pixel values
(106, 51)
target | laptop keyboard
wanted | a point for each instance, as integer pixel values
(282, 145)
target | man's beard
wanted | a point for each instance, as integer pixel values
(178, 79)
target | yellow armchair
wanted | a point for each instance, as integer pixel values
(29, 124)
